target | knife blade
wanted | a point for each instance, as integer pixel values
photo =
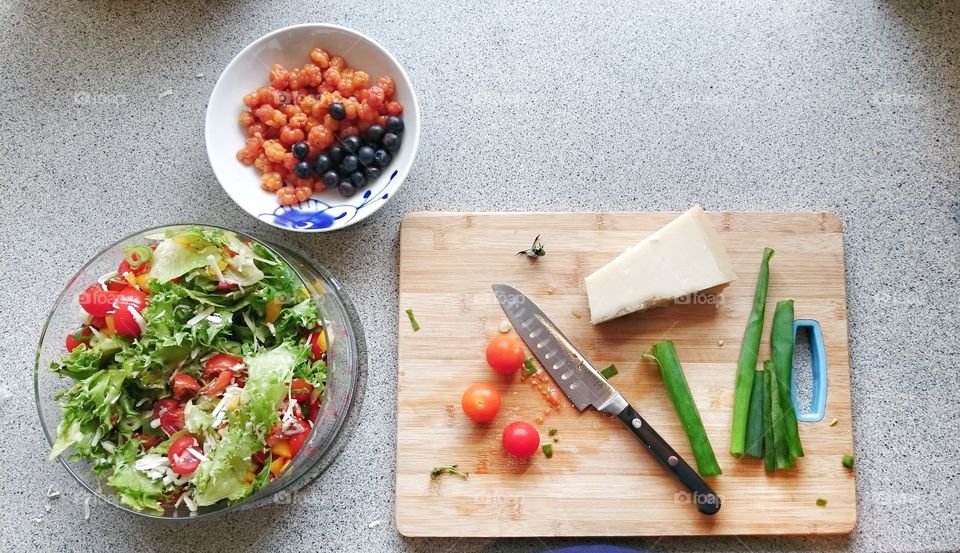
(586, 387)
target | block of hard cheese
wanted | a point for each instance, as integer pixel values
(681, 258)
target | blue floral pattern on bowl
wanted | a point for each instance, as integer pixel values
(315, 214)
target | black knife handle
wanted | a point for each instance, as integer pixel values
(707, 502)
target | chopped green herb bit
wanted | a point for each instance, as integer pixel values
(552, 432)
(413, 320)
(833, 422)
(610, 371)
(452, 469)
(556, 441)
(821, 502)
(547, 450)
(534, 251)
(576, 314)
(529, 369)
(847, 461)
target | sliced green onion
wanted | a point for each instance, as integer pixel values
(781, 352)
(847, 461)
(576, 314)
(675, 382)
(413, 321)
(754, 443)
(747, 363)
(821, 502)
(609, 372)
(137, 255)
(547, 450)
(529, 369)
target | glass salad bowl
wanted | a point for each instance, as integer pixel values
(344, 388)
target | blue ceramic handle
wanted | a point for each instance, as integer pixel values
(818, 405)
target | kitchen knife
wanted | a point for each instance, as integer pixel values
(586, 387)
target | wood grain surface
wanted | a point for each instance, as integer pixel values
(600, 481)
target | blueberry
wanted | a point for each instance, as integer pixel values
(337, 111)
(394, 124)
(300, 150)
(302, 169)
(372, 172)
(349, 164)
(365, 155)
(335, 153)
(391, 142)
(351, 143)
(347, 189)
(375, 133)
(358, 179)
(382, 158)
(321, 164)
(331, 178)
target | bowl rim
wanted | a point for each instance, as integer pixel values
(402, 173)
(344, 428)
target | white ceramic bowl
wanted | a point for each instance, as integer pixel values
(290, 46)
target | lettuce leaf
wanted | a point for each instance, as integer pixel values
(172, 259)
(135, 488)
(269, 373)
(88, 408)
(223, 474)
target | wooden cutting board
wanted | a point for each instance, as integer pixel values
(600, 481)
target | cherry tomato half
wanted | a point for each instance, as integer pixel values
(217, 386)
(146, 440)
(184, 386)
(170, 414)
(181, 459)
(124, 321)
(521, 439)
(297, 440)
(505, 354)
(481, 402)
(97, 301)
(219, 363)
(300, 389)
(81, 336)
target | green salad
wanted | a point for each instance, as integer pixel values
(197, 372)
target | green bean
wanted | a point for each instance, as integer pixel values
(781, 351)
(665, 355)
(747, 364)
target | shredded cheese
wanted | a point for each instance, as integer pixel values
(200, 316)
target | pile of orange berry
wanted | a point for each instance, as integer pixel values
(291, 122)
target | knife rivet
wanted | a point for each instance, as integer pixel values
(636, 423)
(672, 460)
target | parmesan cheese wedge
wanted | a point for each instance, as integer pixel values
(682, 258)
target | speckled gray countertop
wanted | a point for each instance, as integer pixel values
(851, 107)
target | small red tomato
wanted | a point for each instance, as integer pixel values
(98, 323)
(124, 321)
(184, 386)
(170, 414)
(182, 460)
(521, 439)
(97, 301)
(219, 363)
(505, 354)
(74, 339)
(481, 402)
